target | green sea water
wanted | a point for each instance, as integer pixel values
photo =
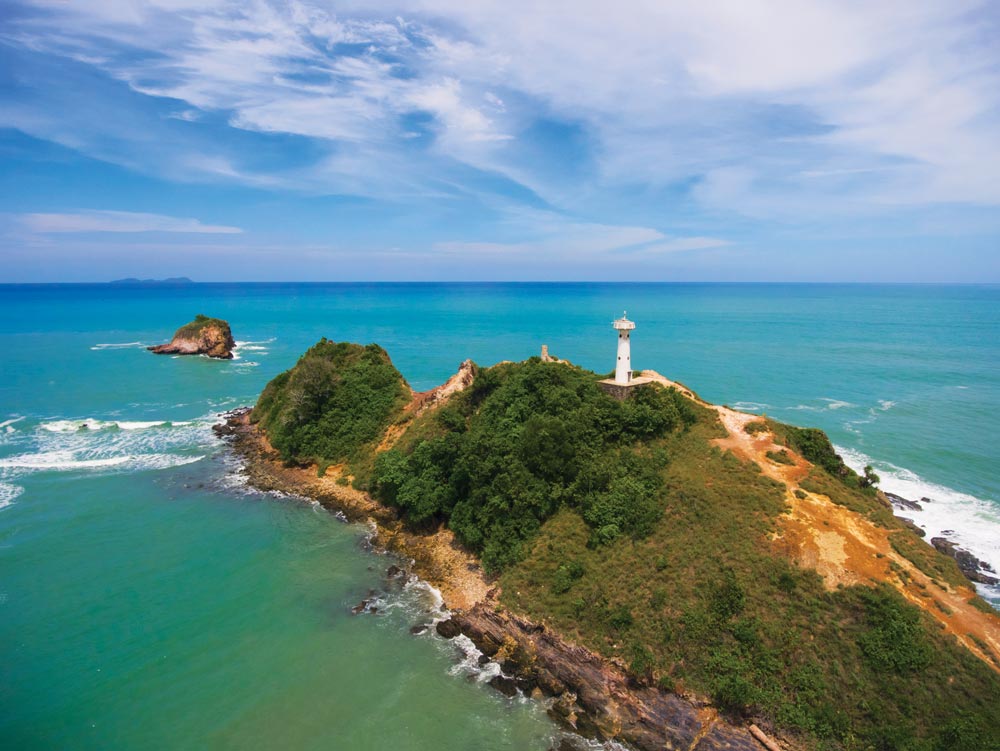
(149, 599)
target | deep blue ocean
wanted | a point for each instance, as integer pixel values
(148, 599)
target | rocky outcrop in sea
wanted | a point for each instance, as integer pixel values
(203, 336)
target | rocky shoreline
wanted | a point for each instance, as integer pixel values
(583, 691)
(974, 569)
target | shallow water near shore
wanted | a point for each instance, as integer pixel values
(148, 599)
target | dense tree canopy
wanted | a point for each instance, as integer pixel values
(338, 398)
(525, 439)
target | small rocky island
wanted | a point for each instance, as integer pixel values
(203, 336)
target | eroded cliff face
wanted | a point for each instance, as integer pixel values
(203, 336)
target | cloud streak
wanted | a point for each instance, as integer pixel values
(118, 221)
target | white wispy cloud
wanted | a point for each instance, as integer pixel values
(553, 236)
(118, 221)
(680, 244)
(747, 97)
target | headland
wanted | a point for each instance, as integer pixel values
(663, 572)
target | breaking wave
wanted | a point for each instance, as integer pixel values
(107, 445)
(122, 345)
(69, 460)
(973, 523)
(89, 423)
(8, 493)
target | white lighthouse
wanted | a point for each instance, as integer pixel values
(623, 368)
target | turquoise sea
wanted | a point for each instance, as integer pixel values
(149, 600)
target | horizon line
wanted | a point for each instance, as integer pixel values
(190, 283)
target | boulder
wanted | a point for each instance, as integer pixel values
(448, 629)
(503, 684)
(903, 503)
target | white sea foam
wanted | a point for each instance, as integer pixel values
(972, 523)
(122, 345)
(110, 445)
(885, 405)
(835, 403)
(8, 423)
(468, 663)
(91, 424)
(750, 406)
(61, 461)
(8, 493)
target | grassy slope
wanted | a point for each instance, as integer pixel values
(704, 604)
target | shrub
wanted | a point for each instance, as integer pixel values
(894, 640)
(814, 445)
(728, 597)
(780, 457)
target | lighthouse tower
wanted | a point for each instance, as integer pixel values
(623, 368)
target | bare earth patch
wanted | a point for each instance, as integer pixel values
(847, 548)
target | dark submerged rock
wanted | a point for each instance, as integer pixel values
(503, 684)
(448, 629)
(903, 503)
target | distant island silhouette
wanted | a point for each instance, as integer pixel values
(171, 280)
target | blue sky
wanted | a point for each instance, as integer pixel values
(724, 140)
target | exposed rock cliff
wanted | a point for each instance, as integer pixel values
(592, 696)
(203, 336)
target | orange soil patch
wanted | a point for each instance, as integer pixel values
(844, 546)
(847, 548)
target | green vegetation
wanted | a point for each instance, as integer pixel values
(523, 441)
(338, 398)
(780, 457)
(755, 427)
(622, 527)
(191, 330)
(704, 603)
(814, 445)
